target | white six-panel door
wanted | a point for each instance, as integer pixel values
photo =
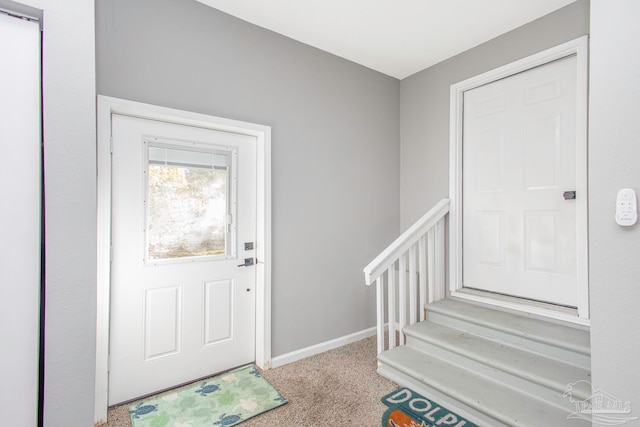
(183, 205)
(519, 158)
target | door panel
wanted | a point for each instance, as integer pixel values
(219, 305)
(184, 199)
(162, 330)
(519, 156)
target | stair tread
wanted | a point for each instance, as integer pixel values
(497, 400)
(551, 373)
(518, 325)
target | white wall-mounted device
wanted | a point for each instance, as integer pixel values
(626, 207)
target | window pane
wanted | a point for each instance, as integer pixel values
(187, 209)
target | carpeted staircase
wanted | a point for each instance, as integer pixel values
(493, 367)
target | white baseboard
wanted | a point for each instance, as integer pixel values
(303, 353)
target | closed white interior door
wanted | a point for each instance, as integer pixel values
(182, 300)
(20, 217)
(519, 159)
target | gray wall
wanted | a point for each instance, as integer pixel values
(70, 205)
(424, 103)
(335, 133)
(614, 163)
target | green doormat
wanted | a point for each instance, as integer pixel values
(224, 400)
(410, 409)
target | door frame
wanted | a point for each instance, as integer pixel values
(579, 48)
(106, 107)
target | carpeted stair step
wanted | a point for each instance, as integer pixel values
(469, 393)
(532, 373)
(566, 343)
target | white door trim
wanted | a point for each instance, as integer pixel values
(578, 47)
(107, 106)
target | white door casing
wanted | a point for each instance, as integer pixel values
(539, 232)
(183, 204)
(107, 108)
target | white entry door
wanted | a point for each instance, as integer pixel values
(182, 298)
(519, 167)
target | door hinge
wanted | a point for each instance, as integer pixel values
(111, 144)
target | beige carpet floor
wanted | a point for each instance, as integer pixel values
(339, 388)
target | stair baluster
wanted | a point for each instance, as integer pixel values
(419, 254)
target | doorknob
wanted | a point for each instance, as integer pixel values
(247, 262)
(569, 195)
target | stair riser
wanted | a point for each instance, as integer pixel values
(484, 402)
(565, 355)
(451, 404)
(517, 380)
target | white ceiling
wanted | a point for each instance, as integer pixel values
(395, 37)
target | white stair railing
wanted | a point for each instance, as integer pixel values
(412, 269)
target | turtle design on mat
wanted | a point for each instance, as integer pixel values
(206, 389)
(227, 420)
(141, 409)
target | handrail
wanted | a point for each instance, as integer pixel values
(410, 271)
(399, 246)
